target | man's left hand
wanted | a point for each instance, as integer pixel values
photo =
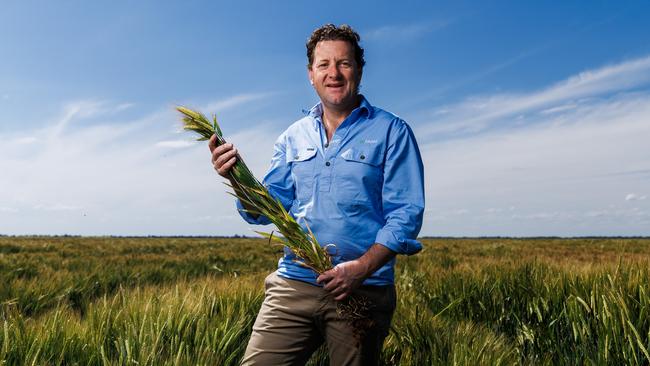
(341, 280)
(344, 278)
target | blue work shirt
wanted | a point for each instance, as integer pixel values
(365, 186)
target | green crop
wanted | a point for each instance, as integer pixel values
(260, 202)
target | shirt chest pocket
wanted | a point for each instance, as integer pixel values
(360, 174)
(301, 162)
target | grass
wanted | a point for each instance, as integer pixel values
(192, 301)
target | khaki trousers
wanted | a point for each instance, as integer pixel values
(297, 317)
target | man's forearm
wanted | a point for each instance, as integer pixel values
(374, 258)
(345, 277)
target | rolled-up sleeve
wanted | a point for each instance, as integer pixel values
(402, 192)
(277, 180)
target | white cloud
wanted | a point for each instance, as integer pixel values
(23, 140)
(562, 166)
(475, 114)
(545, 170)
(233, 101)
(57, 207)
(539, 215)
(119, 177)
(83, 110)
(175, 144)
(403, 31)
(596, 213)
(561, 108)
(493, 210)
(123, 107)
(635, 197)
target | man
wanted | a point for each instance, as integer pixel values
(353, 173)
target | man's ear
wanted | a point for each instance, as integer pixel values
(310, 75)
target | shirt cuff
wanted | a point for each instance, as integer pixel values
(260, 220)
(400, 246)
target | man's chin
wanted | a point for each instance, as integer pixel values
(339, 101)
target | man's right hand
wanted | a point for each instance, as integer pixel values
(224, 157)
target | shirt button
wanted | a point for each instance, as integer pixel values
(297, 157)
(362, 157)
(327, 144)
(327, 163)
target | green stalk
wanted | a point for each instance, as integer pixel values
(250, 191)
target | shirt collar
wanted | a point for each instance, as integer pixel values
(316, 112)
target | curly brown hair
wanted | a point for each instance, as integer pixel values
(330, 32)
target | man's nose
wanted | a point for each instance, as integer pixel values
(333, 71)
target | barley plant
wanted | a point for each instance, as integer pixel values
(259, 201)
(109, 301)
(175, 301)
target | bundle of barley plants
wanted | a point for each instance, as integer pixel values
(260, 202)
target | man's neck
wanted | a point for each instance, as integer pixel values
(333, 117)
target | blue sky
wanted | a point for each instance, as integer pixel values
(532, 118)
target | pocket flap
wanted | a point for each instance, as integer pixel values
(362, 156)
(300, 154)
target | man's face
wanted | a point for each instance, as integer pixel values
(335, 74)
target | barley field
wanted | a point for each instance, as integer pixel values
(192, 301)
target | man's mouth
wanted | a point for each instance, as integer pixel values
(334, 86)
